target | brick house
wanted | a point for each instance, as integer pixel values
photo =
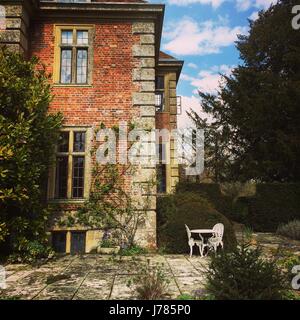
(106, 67)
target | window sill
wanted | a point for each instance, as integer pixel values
(61, 85)
(66, 201)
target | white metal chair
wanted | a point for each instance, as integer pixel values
(192, 242)
(217, 238)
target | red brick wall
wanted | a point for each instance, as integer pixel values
(162, 120)
(110, 97)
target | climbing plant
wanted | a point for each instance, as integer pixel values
(115, 203)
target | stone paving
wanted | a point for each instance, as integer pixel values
(95, 276)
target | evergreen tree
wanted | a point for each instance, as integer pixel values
(28, 135)
(256, 111)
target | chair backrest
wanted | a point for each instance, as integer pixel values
(219, 230)
(188, 231)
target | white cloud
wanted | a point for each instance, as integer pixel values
(188, 37)
(186, 77)
(243, 5)
(192, 65)
(254, 15)
(189, 103)
(213, 3)
(263, 4)
(209, 80)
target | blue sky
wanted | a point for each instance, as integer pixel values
(202, 33)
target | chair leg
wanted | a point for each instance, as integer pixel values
(222, 244)
(191, 251)
(201, 250)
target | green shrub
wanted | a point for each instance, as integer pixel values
(244, 275)
(240, 210)
(32, 252)
(211, 192)
(151, 282)
(290, 230)
(273, 204)
(174, 211)
(133, 251)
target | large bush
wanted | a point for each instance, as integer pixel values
(211, 192)
(273, 204)
(174, 211)
(28, 135)
(244, 275)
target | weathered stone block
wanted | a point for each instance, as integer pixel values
(10, 36)
(172, 93)
(172, 84)
(13, 47)
(147, 86)
(143, 74)
(13, 11)
(143, 27)
(145, 123)
(143, 50)
(144, 175)
(147, 62)
(13, 23)
(147, 111)
(143, 98)
(147, 39)
(145, 202)
(173, 101)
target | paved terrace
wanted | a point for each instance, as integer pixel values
(94, 276)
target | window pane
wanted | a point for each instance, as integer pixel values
(159, 82)
(161, 177)
(159, 101)
(161, 153)
(79, 142)
(61, 181)
(67, 37)
(81, 66)
(78, 177)
(66, 66)
(63, 145)
(82, 37)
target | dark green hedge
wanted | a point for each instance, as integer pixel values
(272, 205)
(211, 192)
(174, 211)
